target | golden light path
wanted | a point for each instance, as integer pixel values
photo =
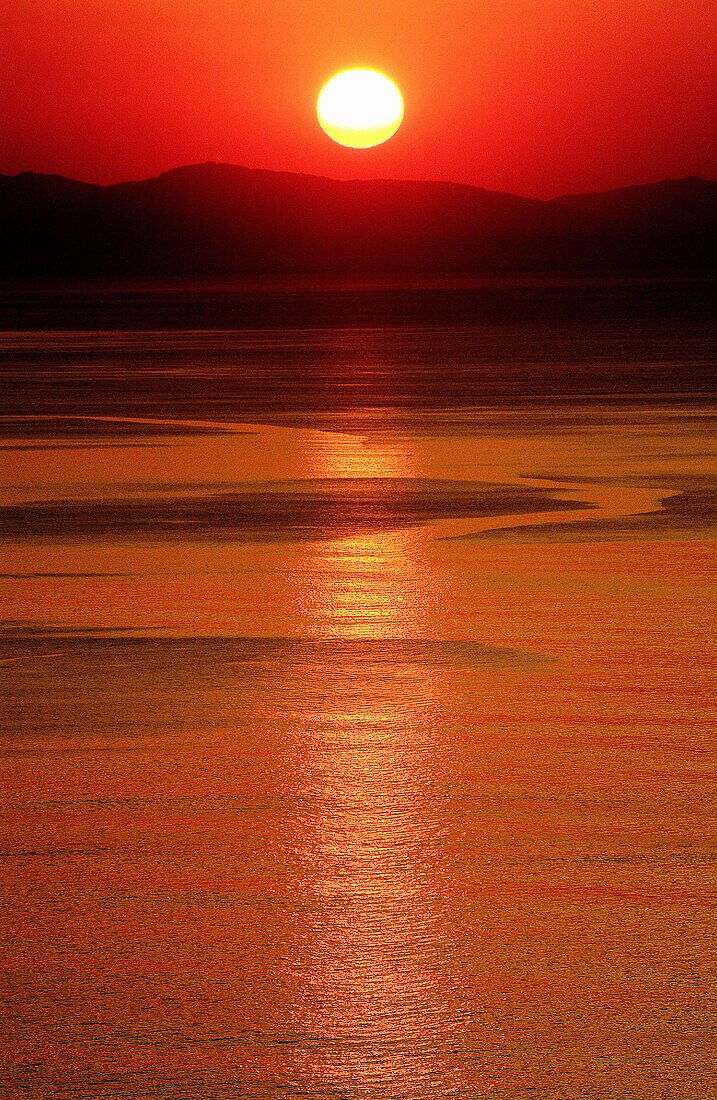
(360, 108)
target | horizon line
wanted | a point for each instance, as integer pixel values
(354, 180)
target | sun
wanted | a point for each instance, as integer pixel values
(360, 108)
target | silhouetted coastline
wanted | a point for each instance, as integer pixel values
(225, 221)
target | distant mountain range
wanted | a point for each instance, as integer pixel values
(224, 220)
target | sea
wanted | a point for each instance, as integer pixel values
(358, 690)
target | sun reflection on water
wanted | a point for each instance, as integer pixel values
(369, 969)
(369, 585)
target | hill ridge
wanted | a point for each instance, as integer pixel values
(215, 218)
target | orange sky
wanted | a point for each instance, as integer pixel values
(537, 97)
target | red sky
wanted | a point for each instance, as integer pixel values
(537, 97)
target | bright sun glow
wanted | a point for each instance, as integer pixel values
(360, 108)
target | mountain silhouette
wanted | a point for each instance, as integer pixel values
(224, 220)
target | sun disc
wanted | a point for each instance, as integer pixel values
(360, 108)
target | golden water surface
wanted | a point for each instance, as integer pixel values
(359, 755)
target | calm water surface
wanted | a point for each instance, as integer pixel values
(358, 724)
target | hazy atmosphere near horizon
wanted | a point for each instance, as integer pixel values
(358, 500)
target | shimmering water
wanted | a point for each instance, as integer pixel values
(358, 721)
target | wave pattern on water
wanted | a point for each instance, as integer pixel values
(326, 775)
